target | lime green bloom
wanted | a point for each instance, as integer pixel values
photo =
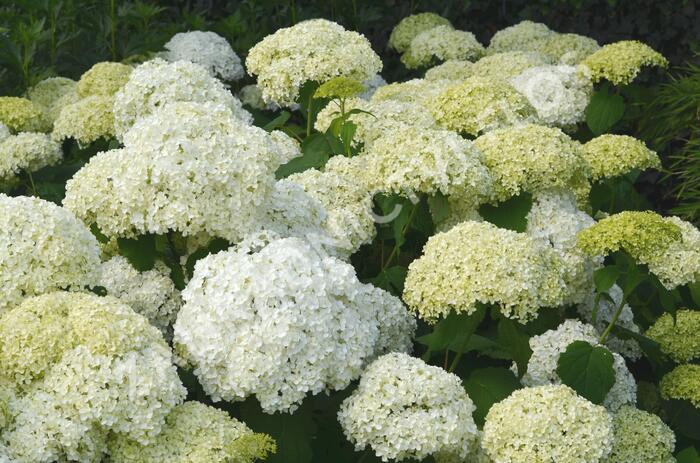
(21, 115)
(680, 339)
(620, 62)
(614, 155)
(103, 79)
(196, 433)
(339, 87)
(478, 105)
(640, 437)
(410, 26)
(683, 383)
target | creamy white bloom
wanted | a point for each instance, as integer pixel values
(209, 50)
(315, 50)
(547, 347)
(27, 151)
(547, 423)
(150, 293)
(277, 319)
(560, 94)
(404, 408)
(442, 43)
(44, 248)
(157, 82)
(189, 167)
(524, 36)
(371, 85)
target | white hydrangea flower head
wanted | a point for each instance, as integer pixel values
(157, 82)
(628, 348)
(418, 91)
(209, 50)
(507, 65)
(45, 248)
(560, 94)
(82, 367)
(194, 433)
(346, 198)
(568, 49)
(533, 158)
(427, 161)
(104, 79)
(404, 408)
(278, 319)
(27, 151)
(477, 262)
(52, 94)
(371, 85)
(86, 120)
(478, 105)
(315, 50)
(150, 293)
(547, 423)
(555, 220)
(547, 347)
(441, 43)
(410, 26)
(450, 70)
(385, 116)
(188, 167)
(640, 437)
(4, 132)
(524, 36)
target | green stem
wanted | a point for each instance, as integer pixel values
(308, 115)
(113, 29)
(395, 251)
(456, 360)
(31, 183)
(609, 328)
(293, 7)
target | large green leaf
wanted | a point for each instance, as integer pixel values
(439, 207)
(315, 152)
(683, 417)
(604, 110)
(587, 369)
(140, 252)
(510, 214)
(514, 339)
(688, 455)
(452, 326)
(605, 277)
(486, 386)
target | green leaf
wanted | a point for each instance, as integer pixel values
(486, 386)
(604, 278)
(652, 349)
(214, 246)
(439, 207)
(683, 417)
(688, 455)
(695, 292)
(514, 339)
(315, 153)
(587, 369)
(604, 110)
(483, 345)
(277, 122)
(452, 326)
(391, 279)
(98, 233)
(140, 252)
(510, 214)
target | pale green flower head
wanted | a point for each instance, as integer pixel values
(620, 62)
(409, 27)
(614, 155)
(477, 105)
(450, 70)
(477, 262)
(86, 121)
(419, 91)
(51, 95)
(21, 115)
(568, 49)
(683, 383)
(533, 158)
(507, 65)
(104, 79)
(524, 36)
(196, 433)
(640, 437)
(441, 43)
(339, 87)
(679, 338)
(27, 151)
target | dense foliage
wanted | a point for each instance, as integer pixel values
(298, 249)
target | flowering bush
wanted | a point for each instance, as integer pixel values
(309, 263)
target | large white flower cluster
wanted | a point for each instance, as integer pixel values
(189, 167)
(547, 423)
(82, 367)
(44, 248)
(547, 347)
(442, 43)
(158, 82)
(404, 408)
(311, 51)
(209, 50)
(277, 319)
(27, 151)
